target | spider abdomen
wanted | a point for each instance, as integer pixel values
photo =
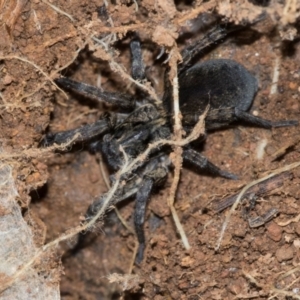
(220, 83)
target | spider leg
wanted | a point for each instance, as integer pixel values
(214, 35)
(82, 134)
(202, 163)
(121, 100)
(189, 53)
(253, 120)
(154, 173)
(218, 118)
(140, 184)
(137, 64)
(142, 197)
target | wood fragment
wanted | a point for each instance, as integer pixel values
(263, 219)
(259, 189)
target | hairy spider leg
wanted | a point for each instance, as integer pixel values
(137, 64)
(121, 100)
(140, 185)
(203, 164)
(254, 120)
(81, 134)
(218, 118)
(118, 99)
(153, 173)
(216, 34)
(142, 197)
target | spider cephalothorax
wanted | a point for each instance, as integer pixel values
(225, 85)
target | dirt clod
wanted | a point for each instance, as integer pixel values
(284, 253)
(274, 231)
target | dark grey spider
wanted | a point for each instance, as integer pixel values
(226, 86)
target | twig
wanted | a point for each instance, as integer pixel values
(242, 193)
(259, 189)
(177, 152)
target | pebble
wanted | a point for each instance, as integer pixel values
(187, 262)
(7, 80)
(284, 253)
(292, 85)
(274, 231)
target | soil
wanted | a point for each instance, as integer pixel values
(56, 188)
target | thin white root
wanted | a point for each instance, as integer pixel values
(9, 57)
(57, 9)
(180, 229)
(243, 191)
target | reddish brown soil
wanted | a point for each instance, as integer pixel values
(250, 261)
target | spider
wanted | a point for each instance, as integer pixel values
(225, 85)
